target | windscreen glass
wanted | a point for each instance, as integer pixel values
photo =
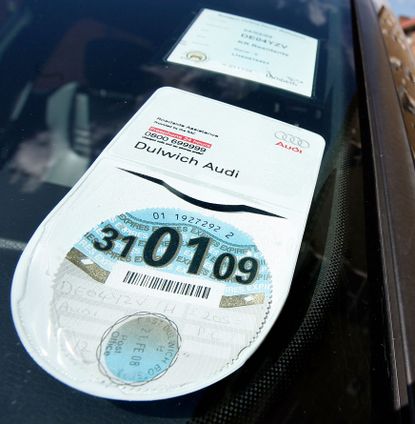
(72, 73)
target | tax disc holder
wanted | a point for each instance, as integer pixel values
(167, 264)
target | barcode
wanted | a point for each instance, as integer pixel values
(165, 285)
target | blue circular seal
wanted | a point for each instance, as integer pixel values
(138, 348)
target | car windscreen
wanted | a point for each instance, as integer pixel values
(72, 74)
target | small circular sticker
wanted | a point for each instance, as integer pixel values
(138, 348)
(196, 56)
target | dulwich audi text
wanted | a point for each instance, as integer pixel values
(160, 151)
(190, 160)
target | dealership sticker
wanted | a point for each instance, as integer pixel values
(175, 249)
(249, 49)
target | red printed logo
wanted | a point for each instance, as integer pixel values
(286, 146)
(291, 142)
(180, 137)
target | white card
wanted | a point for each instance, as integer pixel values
(216, 145)
(249, 49)
(155, 263)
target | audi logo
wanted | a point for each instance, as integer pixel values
(292, 139)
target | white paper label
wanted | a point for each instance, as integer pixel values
(253, 157)
(176, 249)
(249, 49)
